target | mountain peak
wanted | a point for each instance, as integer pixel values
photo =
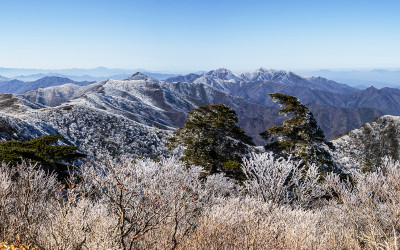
(261, 69)
(264, 70)
(187, 78)
(138, 76)
(222, 70)
(223, 74)
(372, 88)
(56, 79)
(275, 71)
(263, 74)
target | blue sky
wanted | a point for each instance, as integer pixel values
(193, 35)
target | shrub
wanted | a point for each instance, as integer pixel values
(156, 205)
(370, 207)
(281, 181)
(41, 151)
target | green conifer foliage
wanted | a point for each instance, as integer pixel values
(212, 140)
(299, 135)
(41, 151)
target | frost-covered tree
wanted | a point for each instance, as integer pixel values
(212, 139)
(299, 135)
(281, 181)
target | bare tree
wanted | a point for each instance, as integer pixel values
(26, 196)
(371, 205)
(281, 181)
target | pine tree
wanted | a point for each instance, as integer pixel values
(41, 151)
(212, 140)
(299, 135)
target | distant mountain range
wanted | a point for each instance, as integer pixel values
(17, 86)
(360, 79)
(96, 72)
(154, 103)
(3, 78)
(255, 87)
(76, 74)
(184, 96)
(134, 116)
(378, 78)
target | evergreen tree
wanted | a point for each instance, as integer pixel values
(41, 151)
(212, 140)
(299, 135)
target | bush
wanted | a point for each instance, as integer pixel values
(156, 205)
(107, 205)
(282, 181)
(43, 152)
(370, 207)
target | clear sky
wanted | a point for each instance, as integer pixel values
(195, 35)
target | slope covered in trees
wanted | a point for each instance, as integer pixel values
(365, 147)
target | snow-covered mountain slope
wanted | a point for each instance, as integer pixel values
(16, 104)
(165, 105)
(366, 145)
(53, 96)
(186, 78)
(255, 87)
(227, 80)
(293, 79)
(154, 103)
(95, 131)
(140, 98)
(134, 117)
(221, 79)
